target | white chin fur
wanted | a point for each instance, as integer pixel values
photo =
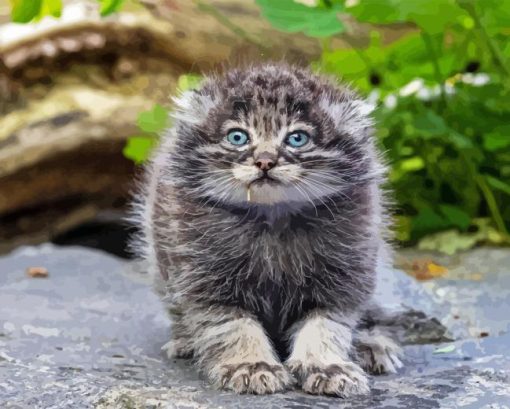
(267, 194)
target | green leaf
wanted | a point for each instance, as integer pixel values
(430, 124)
(291, 17)
(51, 8)
(433, 16)
(109, 6)
(344, 62)
(494, 14)
(458, 139)
(155, 120)
(412, 164)
(423, 13)
(498, 139)
(188, 81)
(428, 221)
(498, 184)
(444, 350)
(448, 242)
(376, 11)
(23, 11)
(407, 165)
(452, 241)
(138, 148)
(456, 216)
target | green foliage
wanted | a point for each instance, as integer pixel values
(451, 241)
(499, 184)
(449, 158)
(433, 16)
(151, 124)
(51, 8)
(25, 11)
(110, 6)
(445, 132)
(138, 148)
(154, 120)
(188, 81)
(291, 16)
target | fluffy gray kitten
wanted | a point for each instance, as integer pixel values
(264, 223)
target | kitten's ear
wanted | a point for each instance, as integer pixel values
(192, 107)
(351, 116)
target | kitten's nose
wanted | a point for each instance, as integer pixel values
(265, 161)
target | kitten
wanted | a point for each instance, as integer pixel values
(264, 223)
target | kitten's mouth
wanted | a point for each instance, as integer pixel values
(263, 179)
(260, 184)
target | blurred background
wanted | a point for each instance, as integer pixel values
(85, 89)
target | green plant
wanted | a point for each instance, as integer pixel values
(445, 127)
(152, 123)
(24, 11)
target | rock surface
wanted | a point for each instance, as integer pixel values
(89, 335)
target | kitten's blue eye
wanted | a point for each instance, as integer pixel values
(237, 137)
(297, 139)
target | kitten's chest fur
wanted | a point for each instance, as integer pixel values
(281, 278)
(278, 269)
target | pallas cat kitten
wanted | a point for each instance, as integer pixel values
(264, 224)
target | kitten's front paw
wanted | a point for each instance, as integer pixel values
(380, 362)
(259, 378)
(380, 356)
(343, 380)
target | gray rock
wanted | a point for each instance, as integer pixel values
(89, 335)
(473, 298)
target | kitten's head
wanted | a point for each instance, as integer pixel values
(271, 134)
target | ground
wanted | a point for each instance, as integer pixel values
(90, 335)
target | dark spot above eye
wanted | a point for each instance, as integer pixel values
(299, 106)
(240, 105)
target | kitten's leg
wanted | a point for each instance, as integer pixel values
(377, 352)
(320, 359)
(180, 344)
(233, 351)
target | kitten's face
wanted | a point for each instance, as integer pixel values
(274, 143)
(267, 155)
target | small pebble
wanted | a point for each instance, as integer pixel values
(37, 272)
